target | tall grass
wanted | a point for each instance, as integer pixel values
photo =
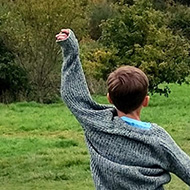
(42, 146)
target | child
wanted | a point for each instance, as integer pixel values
(126, 154)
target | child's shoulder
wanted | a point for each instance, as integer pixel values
(159, 131)
(163, 137)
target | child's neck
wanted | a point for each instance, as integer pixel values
(133, 115)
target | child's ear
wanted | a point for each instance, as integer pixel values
(146, 101)
(109, 99)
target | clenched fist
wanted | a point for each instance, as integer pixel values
(63, 35)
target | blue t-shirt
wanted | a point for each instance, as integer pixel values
(136, 123)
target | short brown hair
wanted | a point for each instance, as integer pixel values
(127, 87)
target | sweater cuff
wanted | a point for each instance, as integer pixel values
(70, 44)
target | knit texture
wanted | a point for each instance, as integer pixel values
(122, 157)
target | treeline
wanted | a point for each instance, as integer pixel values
(153, 35)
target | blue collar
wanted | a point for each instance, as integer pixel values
(136, 123)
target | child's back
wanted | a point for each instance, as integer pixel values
(126, 154)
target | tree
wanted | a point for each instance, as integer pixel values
(29, 28)
(142, 39)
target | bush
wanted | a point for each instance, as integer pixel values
(13, 79)
(99, 12)
(180, 20)
(142, 38)
(29, 28)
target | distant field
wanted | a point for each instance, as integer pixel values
(42, 146)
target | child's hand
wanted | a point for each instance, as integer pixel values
(68, 42)
(63, 35)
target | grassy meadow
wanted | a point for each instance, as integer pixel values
(42, 146)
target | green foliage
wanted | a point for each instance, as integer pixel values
(160, 4)
(13, 79)
(93, 66)
(184, 2)
(142, 38)
(129, 2)
(180, 20)
(6, 55)
(152, 35)
(98, 62)
(99, 12)
(29, 27)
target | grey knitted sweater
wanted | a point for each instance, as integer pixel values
(122, 157)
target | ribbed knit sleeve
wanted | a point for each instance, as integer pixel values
(74, 88)
(178, 160)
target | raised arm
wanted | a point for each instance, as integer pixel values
(74, 89)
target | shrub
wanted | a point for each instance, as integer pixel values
(142, 38)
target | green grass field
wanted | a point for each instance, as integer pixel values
(42, 146)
